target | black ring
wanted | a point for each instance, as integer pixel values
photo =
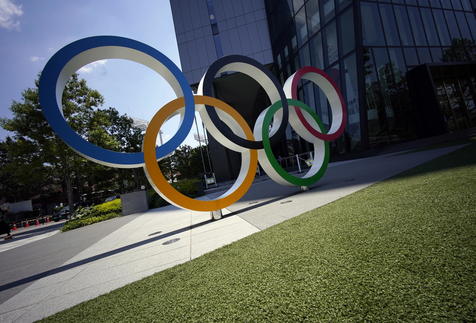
(219, 124)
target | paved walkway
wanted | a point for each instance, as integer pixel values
(162, 238)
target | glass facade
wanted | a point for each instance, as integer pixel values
(368, 47)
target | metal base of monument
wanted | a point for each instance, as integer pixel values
(304, 188)
(216, 215)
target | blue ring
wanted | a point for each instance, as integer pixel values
(51, 110)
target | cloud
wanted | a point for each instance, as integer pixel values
(92, 66)
(35, 58)
(9, 12)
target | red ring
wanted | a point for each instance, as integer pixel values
(294, 85)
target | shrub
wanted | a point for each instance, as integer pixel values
(93, 214)
(84, 221)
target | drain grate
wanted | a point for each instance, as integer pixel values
(171, 241)
(284, 202)
(254, 202)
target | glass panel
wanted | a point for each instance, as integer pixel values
(425, 3)
(430, 27)
(404, 25)
(328, 9)
(424, 55)
(301, 27)
(313, 16)
(436, 54)
(373, 100)
(435, 3)
(389, 25)
(413, 2)
(466, 5)
(347, 38)
(304, 56)
(441, 27)
(331, 42)
(446, 4)
(463, 26)
(297, 4)
(352, 96)
(342, 3)
(316, 51)
(472, 23)
(456, 4)
(453, 26)
(410, 56)
(372, 28)
(417, 25)
(398, 63)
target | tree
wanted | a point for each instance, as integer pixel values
(461, 50)
(34, 156)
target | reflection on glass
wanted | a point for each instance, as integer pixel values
(352, 96)
(441, 27)
(372, 28)
(304, 56)
(328, 9)
(424, 55)
(313, 17)
(452, 25)
(331, 41)
(410, 56)
(301, 27)
(347, 38)
(316, 51)
(404, 25)
(389, 25)
(472, 24)
(430, 28)
(463, 26)
(398, 63)
(417, 26)
(436, 54)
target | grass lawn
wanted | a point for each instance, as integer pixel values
(403, 249)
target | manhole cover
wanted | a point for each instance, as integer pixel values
(171, 241)
(288, 201)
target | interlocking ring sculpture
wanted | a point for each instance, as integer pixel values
(223, 122)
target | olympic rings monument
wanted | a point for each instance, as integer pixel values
(221, 120)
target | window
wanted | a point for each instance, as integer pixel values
(313, 16)
(304, 56)
(352, 96)
(430, 27)
(316, 51)
(328, 9)
(463, 26)
(441, 27)
(372, 28)
(331, 42)
(410, 56)
(301, 27)
(398, 63)
(389, 25)
(347, 38)
(452, 25)
(472, 23)
(417, 26)
(425, 56)
(404, 25)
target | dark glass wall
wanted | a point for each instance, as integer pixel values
(367, 47)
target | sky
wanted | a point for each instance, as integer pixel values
(31, 31)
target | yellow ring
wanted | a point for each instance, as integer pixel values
(160, 183)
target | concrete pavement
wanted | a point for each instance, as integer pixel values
(130, 248)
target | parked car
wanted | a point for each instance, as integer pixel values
(63, 213)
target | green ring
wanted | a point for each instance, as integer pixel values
(269, 153)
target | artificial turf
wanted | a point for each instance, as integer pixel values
(401, 250)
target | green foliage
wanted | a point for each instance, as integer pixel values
(33, 160)
(81, 222)
(400, 250)
(190, 187)
(154, 200)
(97, 213)
(461, 50)
(185, 162)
